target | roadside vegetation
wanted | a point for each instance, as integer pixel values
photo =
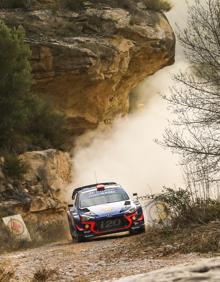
(43, 274)
(28, 122)
(192, 226)
(197, 238)
(6, 271)
(195, 99)
(194, 134)
(14, 4)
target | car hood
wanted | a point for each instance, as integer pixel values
(110, 209)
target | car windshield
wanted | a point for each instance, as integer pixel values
(94, 197)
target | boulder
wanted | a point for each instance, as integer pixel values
(49, 172)
(205, 270)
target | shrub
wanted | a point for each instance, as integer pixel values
(13, 4)
(74, 5)
(6, 272)
(158, 5)
(46, 128)
(13, 167)
(27, 121)
(43, 274)
(15, 83)
(186, 209)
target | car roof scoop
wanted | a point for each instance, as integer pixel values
(127, 203)
(85, 210)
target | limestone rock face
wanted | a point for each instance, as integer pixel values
(205, 270)
(49, 172)
(88, 59)
(41, 188)
(50, 167)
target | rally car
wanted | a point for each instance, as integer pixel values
(101, 209)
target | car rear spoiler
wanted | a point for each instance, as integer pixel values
(76, 190)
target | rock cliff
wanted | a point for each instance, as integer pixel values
(88, 56)
(41, 188)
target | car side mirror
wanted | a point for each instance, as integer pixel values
(127, 203)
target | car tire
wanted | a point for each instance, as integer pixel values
(73, 232)
(80, 239)
(140, 230)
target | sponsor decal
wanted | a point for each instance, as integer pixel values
(107, 209)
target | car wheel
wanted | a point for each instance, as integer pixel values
(80, 239)
(140, 230)
(72, 230)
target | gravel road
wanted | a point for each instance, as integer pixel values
(103, 259)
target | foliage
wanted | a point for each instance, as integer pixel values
(14, 167)
(27, 121)
(6, 271)
(13, 4)
(15, 82)
(45, 128)
(185, 209)
(43, 274)
(195, 97)
(188, 239)
(74, 5)
(158, 5)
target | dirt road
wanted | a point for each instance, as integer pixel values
(97, 260)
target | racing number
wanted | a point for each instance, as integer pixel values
(111, 223)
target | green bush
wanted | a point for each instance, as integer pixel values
(74, 5)
(13, 4)
(27, 121)
(46, 128)
(158, 5)
(14, 167)
(15, 83)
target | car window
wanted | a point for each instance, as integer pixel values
(94, 198)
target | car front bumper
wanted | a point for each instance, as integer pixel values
(88, 229)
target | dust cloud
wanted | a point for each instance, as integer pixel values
(127, 153)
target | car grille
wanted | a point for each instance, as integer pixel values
(111, 223)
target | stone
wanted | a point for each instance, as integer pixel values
(205, 270)
(48, 171)
(88, 60)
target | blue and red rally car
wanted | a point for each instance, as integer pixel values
(101, 209)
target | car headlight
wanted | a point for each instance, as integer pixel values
(131, 210)
(86, 217)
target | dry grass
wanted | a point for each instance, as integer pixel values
(43, 274)
(195, 238)
(6, 272)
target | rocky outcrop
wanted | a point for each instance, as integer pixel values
(205, 270)
(48, 174)
(88, 58)
(41, 188)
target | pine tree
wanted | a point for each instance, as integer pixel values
(15, 83)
